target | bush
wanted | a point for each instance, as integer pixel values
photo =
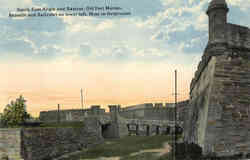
(15, 113)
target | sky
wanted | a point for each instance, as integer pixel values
(127, 59)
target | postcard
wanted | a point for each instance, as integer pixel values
(124, 80)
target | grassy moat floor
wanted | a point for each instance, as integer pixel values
(131, 148)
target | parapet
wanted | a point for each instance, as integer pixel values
(95, 107)
(113, 108)
(238, 40)
(148, 105)
(70, 114)
(169, 105)
(159, 105)
(238, 36)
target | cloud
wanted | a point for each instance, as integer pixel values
(115, 52)
(118, 52)
(87, 24)
(49, 52)
(236, 11)
(85, 50)
(202, 22)
(17, 46)
(152, 53)
(244, 5)
(107, 24)
(178, 15)
(151, 33)
(38, 24)
(179, 22)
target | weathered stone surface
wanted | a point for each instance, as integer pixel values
(10, 143)
(156, 111)
(119, 126)
(218, 116)
(227, 105)
(70, 115)
(45, 143)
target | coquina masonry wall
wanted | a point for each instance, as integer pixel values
(219, 114)
(46, 143)
(70, 114)
(157, 111)
(220, 107)
(199, 105)
(10, 143)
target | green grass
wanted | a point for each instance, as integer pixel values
(125, 146)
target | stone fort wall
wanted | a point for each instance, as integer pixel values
(218, 117)
(148, 111)
(156, 111)
(47, 143)
(70, 115)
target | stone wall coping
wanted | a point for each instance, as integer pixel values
(144, 106)
(239, 26)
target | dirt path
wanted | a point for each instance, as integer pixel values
(105, 158)
(166, 149)
(160, 151)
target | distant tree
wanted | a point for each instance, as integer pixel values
(15, 113)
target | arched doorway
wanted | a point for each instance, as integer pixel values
(167, 130)
(179, 130)
(137, 129)
(132, 129)
(157, 130)
(106, 130)
(147, 130)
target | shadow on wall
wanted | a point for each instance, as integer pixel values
(106, 130)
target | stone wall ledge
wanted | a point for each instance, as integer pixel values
(46, 143)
